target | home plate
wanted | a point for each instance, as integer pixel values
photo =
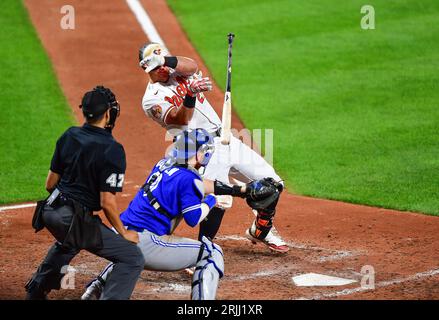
(319, 280)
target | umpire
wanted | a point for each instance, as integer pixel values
(86, 171)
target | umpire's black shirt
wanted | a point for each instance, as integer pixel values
(89, 160)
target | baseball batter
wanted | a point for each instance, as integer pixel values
(174, 99)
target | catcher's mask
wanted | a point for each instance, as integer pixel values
(96, 102)
(192, 142)
(151, 48)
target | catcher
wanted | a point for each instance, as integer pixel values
(174, 191)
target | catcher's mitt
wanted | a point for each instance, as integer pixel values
(262, 193)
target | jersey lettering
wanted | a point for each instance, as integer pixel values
(181, 89)
(170, 172)
(121, 179)
(113, 178)
(158, 177)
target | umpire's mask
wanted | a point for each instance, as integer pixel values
(96, 102)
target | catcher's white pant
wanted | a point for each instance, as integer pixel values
(238, 161)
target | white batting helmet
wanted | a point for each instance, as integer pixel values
(151, 48)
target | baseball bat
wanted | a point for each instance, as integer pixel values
(226, 121)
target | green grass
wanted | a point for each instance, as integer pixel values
(33, 110)
(355, 112)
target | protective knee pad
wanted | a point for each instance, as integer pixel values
(209, 269)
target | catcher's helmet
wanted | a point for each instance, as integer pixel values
(151, 48)
(191, 141)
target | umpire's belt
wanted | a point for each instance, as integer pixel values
(58, 199)
(84, 231)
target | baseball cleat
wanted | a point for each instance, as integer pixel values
(273, 241)
(190, 271)
(93, 290)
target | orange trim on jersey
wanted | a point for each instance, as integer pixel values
(167, 113)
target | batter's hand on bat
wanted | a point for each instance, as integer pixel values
(199, 85)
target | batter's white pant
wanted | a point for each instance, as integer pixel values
(237, 156)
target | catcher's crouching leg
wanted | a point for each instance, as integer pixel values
(208, 271)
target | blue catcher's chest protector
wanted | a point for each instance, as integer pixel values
(170, 192)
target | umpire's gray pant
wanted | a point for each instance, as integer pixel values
(126, 256)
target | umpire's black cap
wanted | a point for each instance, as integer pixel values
(96, 102)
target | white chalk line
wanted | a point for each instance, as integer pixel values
(145, 21)
(18, 206)
(183, 289)
(260, 274)
(173, 287)
(381, 284)
(334, 254)
(164, 286)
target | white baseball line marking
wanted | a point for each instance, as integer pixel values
(259, 274)
(145, 21)
(173, 287)
(18, 206)
(335, 254)
(181, 289)
(163, 286)
(382, 284)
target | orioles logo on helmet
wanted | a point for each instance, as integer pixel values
(151, 48)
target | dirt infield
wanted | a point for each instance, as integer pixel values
(326, 237)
